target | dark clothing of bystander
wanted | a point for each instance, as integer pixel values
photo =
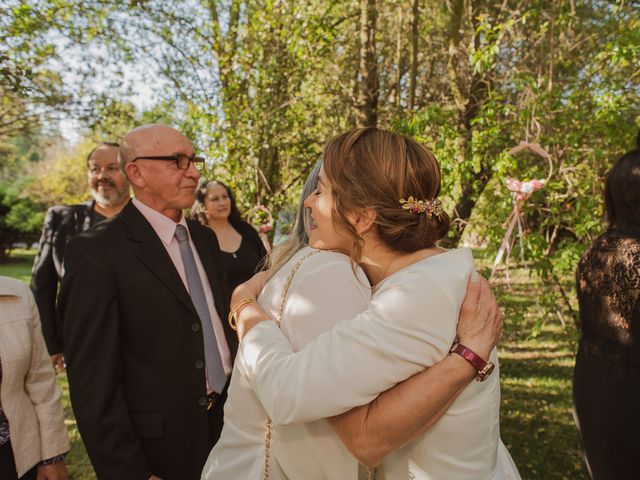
(62, 222)
(606, 381)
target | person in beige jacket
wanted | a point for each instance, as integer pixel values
(33, 437)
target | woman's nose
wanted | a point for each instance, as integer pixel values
(307, 201)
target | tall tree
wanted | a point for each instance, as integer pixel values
(367, 102)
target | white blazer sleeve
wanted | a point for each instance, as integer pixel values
(323, 292)
(409, 325)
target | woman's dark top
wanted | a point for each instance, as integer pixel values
(606, 382)
(242, 264)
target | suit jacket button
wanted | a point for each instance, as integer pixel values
(202, 401)
(195, 327)
(199, 364)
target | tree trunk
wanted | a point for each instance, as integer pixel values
(468, 101)
(397, 88)
(367, 101)
(415, 21)
(224, 46)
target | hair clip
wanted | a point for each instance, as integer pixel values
(428, 207)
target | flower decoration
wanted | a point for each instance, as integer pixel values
(428, 207)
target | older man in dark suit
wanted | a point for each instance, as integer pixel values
(144, 307)
(110, 192)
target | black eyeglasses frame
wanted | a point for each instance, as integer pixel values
(181, 160)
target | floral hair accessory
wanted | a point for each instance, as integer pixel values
(428, 207)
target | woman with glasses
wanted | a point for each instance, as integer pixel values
(241, 246)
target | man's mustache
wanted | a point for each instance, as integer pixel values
(109, 183)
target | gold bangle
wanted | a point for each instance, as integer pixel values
(236, 309)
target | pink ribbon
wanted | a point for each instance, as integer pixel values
(520, 193)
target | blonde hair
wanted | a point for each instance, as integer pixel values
(299, 236)
(371, 168)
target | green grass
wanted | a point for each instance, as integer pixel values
(536, 420)
(536, 415)
(19, 265)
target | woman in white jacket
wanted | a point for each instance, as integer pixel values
(33, 437)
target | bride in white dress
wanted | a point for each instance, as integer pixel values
(409, 325)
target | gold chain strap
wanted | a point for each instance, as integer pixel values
(268, 427)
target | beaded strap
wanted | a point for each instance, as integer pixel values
(268, 427)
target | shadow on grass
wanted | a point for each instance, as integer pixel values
(537, 427)
(536, 371)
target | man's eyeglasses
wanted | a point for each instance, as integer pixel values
(181, 160)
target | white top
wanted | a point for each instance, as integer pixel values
(165, 228)
(323, 291)
(409, 325)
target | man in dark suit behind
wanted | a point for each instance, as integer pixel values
(144, 308)
(110, 192)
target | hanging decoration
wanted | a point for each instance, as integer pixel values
(520, 193)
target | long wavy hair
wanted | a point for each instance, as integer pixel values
(198, 211)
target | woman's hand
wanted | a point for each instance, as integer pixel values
(54, 471)
(250, 314)
(480, 322)
(251, 288)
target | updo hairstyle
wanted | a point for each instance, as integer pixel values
(374, 168)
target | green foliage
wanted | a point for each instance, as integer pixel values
(259, 87)
(20, 219)
(30, 89)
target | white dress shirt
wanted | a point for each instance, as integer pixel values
(165, 228)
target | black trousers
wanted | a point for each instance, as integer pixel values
(8, 466)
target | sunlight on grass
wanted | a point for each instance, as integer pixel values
(19, 265)
(536, 416)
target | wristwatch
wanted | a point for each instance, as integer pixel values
(483, 368)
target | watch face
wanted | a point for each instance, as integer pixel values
(485, 372)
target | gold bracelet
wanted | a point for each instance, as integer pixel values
(236, 309)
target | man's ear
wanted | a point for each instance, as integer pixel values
(134, 174)
(364, 220)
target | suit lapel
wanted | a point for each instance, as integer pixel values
(152, 253)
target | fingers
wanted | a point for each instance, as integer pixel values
(489, 313)
(472, 297)
(58, 362)
(483, 310)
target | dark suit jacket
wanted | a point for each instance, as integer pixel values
(134, 349)
(60, 224)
